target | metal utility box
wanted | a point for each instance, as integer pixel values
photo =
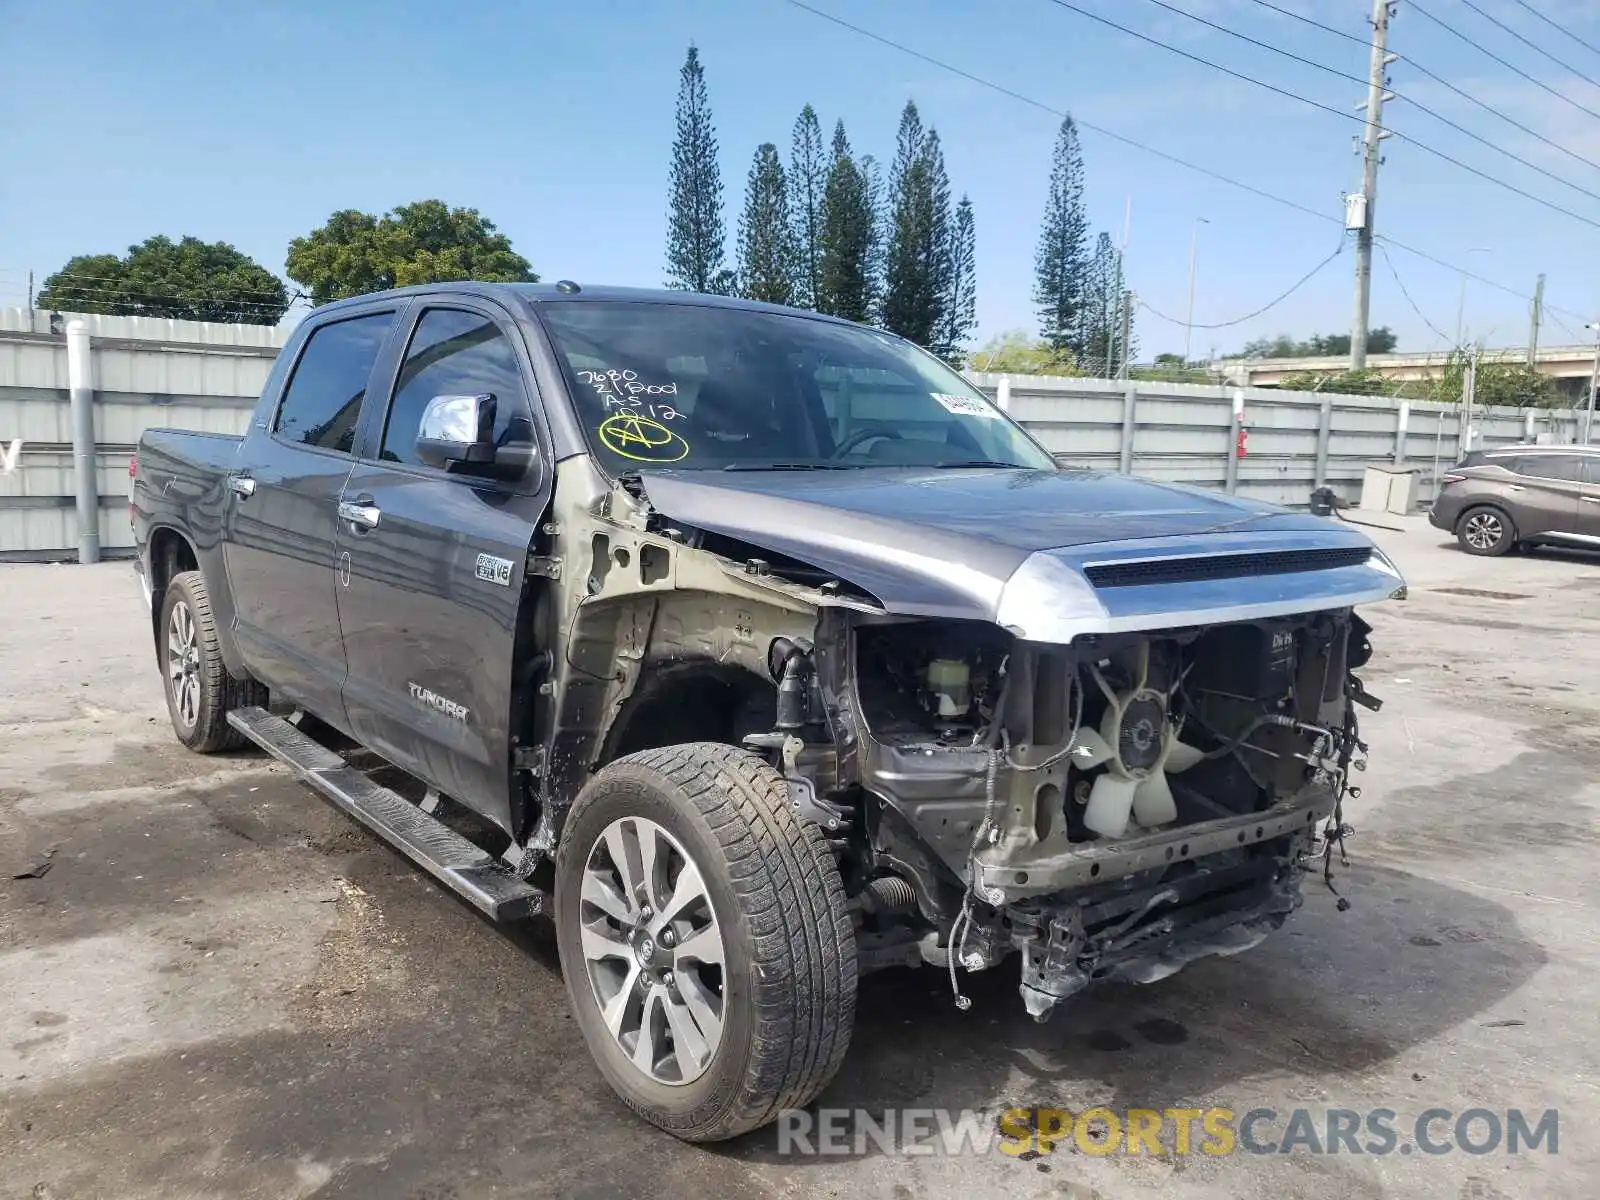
(1389, 489)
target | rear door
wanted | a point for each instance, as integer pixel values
(432, 580)
(279, 525)
(1545, 495)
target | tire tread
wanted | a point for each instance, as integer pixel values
(789, 891)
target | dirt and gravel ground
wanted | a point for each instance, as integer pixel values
(223, 988)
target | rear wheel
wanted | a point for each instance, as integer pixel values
(1486, 531)
(199, 689)
(708, 952)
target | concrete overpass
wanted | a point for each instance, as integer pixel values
(1570, 366)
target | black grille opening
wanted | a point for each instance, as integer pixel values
(1224, 566)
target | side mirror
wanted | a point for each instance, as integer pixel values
(457, 430)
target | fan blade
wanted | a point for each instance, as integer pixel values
(1089, 749)
(1152, 801)
(1110, 802)
(1181, 757)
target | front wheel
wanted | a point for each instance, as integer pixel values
(199, 689)
(1486, 531)
(708, 951)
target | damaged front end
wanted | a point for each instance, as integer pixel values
(1113, 808)
(1110, 760)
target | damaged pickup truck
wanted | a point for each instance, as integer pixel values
(759, 650)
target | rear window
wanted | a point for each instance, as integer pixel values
(322, 403)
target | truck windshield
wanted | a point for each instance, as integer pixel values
(712, 388)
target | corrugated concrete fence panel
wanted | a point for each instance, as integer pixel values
(1181, 435)
(1077, 420)
(147, 372)
(1281, 431)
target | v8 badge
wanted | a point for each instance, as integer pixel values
(494, 570)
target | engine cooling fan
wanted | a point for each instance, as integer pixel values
(1139, 747)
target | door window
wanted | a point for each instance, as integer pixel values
(322, 403)
(1567, 467)
(457, 353)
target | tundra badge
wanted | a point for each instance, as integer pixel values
(437, 702)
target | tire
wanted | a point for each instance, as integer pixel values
(1486, 531)
(773, 896)
(199, 690)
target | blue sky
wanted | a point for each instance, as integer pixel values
(252, 122)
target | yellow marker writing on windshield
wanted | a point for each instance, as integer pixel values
(641, 439)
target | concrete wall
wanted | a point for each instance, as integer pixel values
(186, 374)
(147, 372)
(1294, 441)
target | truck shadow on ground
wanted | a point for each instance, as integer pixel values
(1329, 996)
(431, 1053)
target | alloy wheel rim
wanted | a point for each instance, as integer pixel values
(653, 950)
(183, 664)
(1483, 531)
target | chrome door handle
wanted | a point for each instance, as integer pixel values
(242, 486)
(1590, 499)
(1516, 487)
(359, 516)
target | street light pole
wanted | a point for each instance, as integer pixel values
(1188, 325)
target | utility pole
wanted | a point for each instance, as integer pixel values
(1127, 334)
(1188, 325)
(30, 291)
(1359, 215)
(1594, 381)
(1533, 324)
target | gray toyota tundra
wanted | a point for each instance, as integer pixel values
(758, 650)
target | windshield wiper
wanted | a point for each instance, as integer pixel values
(794, 466)
(979, 462)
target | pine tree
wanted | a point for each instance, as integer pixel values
(847, 240)
(696, 234)
(878, 256)
(767, 262)
(960, 315)
(917, 269)
(808, 171)
(1099, 318)
(1060, 262)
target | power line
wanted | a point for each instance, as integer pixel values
(1349, 37)
(1442, 82)
(1559, 28)
(1538, 49)
(1416, 104)
(1117, 137)
(1056, 112)
(1327, 108)
(1450, 266)
(1270, 304)
(1516, 70)
(1489, 108)
(1440, 334)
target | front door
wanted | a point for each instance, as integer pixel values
(278, 542)
(432, 565)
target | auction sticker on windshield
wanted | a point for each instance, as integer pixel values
(965, 406)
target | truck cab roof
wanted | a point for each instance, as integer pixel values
(566, 291)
